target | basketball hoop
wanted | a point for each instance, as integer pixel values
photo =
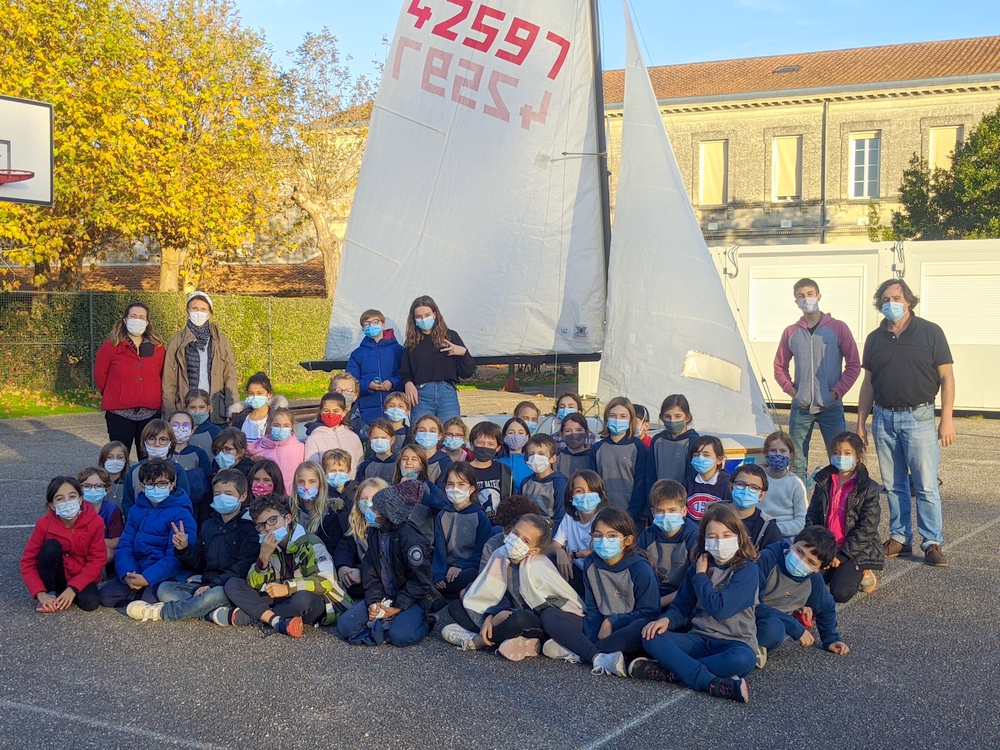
(14, 175)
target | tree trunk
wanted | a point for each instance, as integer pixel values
(327, 242)
(170, 268)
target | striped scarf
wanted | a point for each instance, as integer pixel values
(202, 342)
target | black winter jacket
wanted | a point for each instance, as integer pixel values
(224, 550)
(861, 544)
(410, 563)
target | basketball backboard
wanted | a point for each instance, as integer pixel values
(25, 151)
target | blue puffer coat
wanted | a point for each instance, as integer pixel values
(372, 361)
(146, 545)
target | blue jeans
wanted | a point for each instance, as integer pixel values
(800, 428)
(907, 447)
(180, 603)
(438, 398)
(696, 660)
(405, 629)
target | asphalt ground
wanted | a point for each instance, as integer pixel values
(923, 670)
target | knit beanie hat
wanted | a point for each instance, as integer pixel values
(395, 503)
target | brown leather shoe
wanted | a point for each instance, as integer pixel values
(934, 556)
(895, 549)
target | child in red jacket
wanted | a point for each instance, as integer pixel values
(65, 554)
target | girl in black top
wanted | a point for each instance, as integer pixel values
(433, 362)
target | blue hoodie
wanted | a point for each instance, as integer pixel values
(622, 593)
(133, 487)
(146, 545)
(669, 555)
(376, 360)
(459, 536)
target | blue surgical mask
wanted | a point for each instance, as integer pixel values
(225, 504)
(337, 479)
(225, 460)
(256, 402)
(156, 495)
(563, 411)
(424, 324)
(893, 310)
(453, 442)
(744, 497)
(395, 414)
(307, 494)
(586, 501)
(606, 548)
(279, 534)
(777, 462)
(199, 418)
(114, 465)
(426, 440)
(370, 518)
(669, 522)
(373, 330)
(409, 473)
(843, 463)
(381, 445)
(796, 566)
(532, 427)
(702, 464)
(281, 433)
(808, 304)
(95, 495)
(618, 426)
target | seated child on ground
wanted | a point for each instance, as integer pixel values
(670, 449)
(545, 486)
(708, 482)
(750, 486)
(669, 541)
(382, 463)
(494, 478)
(397, 411)
(96, 483)
(575, 455)
(509, 512)
(427, 432)
(281, 446)
(515, 437)
(334, 432)
(460, 532)
(571, 541)
(354, 544)
(160, 443)
(456, 434)
(114, 460)
(621, 460)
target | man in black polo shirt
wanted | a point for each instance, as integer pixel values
(906, 359)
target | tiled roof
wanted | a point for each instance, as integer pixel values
(837, 68)
(276, 280)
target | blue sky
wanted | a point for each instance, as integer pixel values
(674, 31)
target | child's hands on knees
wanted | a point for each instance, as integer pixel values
(565, 563)
(839, 648)
(452, 574)
(655, 628)
(486, 631)
(605, 630)
(277, 590)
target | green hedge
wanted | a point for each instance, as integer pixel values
(46, 341)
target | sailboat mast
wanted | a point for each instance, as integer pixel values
(602, 141)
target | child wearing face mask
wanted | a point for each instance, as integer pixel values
(396, 574)
(621, 460)
(574, 455)
(641, 424)
(845, 500)
(669, 540)
(145, 555)
(786, 493)
(225, 548)
(340, 489)
(515, 436)
(531, 414)
(621, 596)
(571, 542)
(671, 448)
(198, 404)
(334, 432)
(708, 482)
(159, 442)
(566, 404)
(412, 464)
(345, 384)
(427, 433)
(545, 486)
(459, 533)
(397, 411)
(509, 512)
(281, 446)
(197, 465)
(502, 605)
(382, 463)
(265, 479)
(354, 544)
(456, 435)
(716, 604)
(229, 451)
(312, 506)
(494, 478)
(292, 584)
(791, 579)
(749, 487)
(95, 484)
(62, 562)
(114, 460)
(251, 416)
(375, 364)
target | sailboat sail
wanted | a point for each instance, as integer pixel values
(669, 326)
(480, 184)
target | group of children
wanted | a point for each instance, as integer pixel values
(640, 556)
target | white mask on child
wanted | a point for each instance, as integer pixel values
(723, 550)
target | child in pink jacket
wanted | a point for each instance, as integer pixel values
(281, 446)
(334, 432)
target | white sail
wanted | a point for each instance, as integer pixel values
(480, 182)
(669, 326)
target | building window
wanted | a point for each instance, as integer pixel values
(786, 173)
(943, 143)
(865, 158)
(713, 173)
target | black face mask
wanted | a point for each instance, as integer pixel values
(484, 454)
(575, 440)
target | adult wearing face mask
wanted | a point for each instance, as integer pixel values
(200, 357)
(907, 360)
(127, 372)
(826, 366)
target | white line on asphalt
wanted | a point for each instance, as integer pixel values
(19, 526)
(99, 724)
(652, 711)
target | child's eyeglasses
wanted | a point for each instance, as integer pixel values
(741, 485)
(94, 486)
(612, 537)
(270, 522)
(161, 485)
(162, 440)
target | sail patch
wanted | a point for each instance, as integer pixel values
(703, 366)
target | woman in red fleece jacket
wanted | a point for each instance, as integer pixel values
(65, 554)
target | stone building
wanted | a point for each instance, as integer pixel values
(792, 149)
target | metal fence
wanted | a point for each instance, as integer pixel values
(48, 340)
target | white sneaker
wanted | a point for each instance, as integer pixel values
(554, 651)
(761, 657)
(140, 610)
(459, 636)
(612, 664)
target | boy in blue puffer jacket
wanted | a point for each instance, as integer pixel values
(145, 557)
(375, 363)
